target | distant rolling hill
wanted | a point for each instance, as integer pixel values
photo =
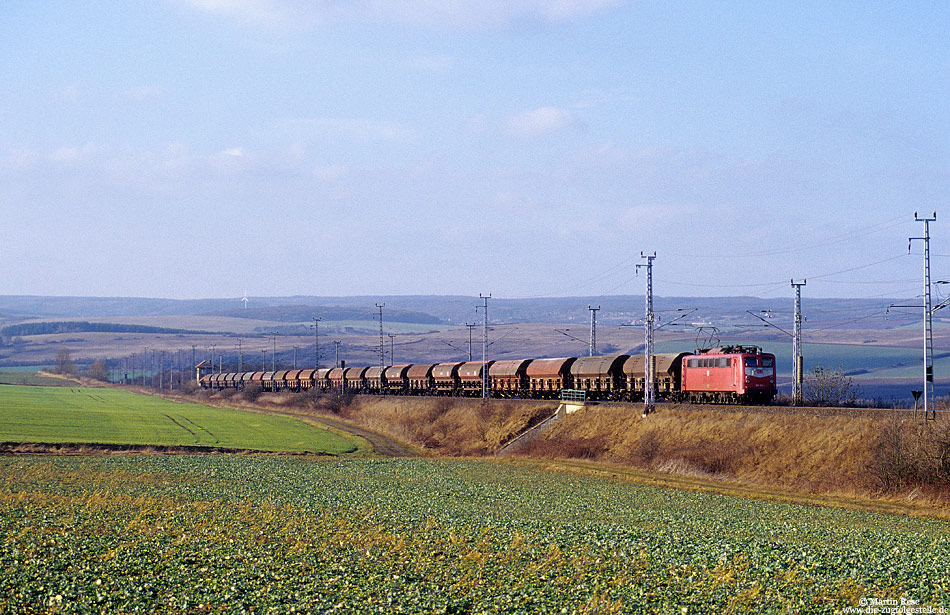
(303, 313)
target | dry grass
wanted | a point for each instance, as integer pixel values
(447, 425)
(826, 453)
(799, 451)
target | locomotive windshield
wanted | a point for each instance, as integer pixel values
(767, 362)
(751, 362)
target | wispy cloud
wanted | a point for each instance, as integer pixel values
(357, 129)
(429, 13)
(432, 63)
(540, 122)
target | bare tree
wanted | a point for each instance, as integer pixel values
(829, 387)
(98, 370)
(64, 363)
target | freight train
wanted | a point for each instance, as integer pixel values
(726, 374)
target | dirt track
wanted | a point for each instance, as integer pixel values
(384, 446)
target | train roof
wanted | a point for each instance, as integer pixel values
(597, 366)
(666, 363)
(547, 368)
(375, 372)
(397, 372)
(445, 371)
(472, 370)
(734, 349)
(419, 371)
(511, 367)
(355, 373)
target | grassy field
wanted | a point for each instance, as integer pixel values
(110, 416)
(35, 379)
(262, 534)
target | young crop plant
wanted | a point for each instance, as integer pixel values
(230, 534)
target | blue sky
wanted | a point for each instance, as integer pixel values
(201, 148)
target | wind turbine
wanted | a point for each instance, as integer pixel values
(244, 299)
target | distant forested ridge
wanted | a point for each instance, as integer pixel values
(48, 328)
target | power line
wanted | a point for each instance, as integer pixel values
(857, 234)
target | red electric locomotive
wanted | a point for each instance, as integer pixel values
(729, 374)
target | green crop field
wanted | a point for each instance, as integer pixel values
(111, 416)
(233, 534)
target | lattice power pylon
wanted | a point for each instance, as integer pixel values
(649, 373)
(798, 364)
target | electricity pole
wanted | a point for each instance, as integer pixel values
(382, 352)
(485, 299)
(470, 327)
(240, 357)
(930, 411)
(337, 344)
(798, 363)
(649, 381)
(316, 341)
(593, 329)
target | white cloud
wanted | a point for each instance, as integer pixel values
(431, 13)
(540, 122)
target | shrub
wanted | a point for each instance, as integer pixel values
(252, 391)
(912, 454)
